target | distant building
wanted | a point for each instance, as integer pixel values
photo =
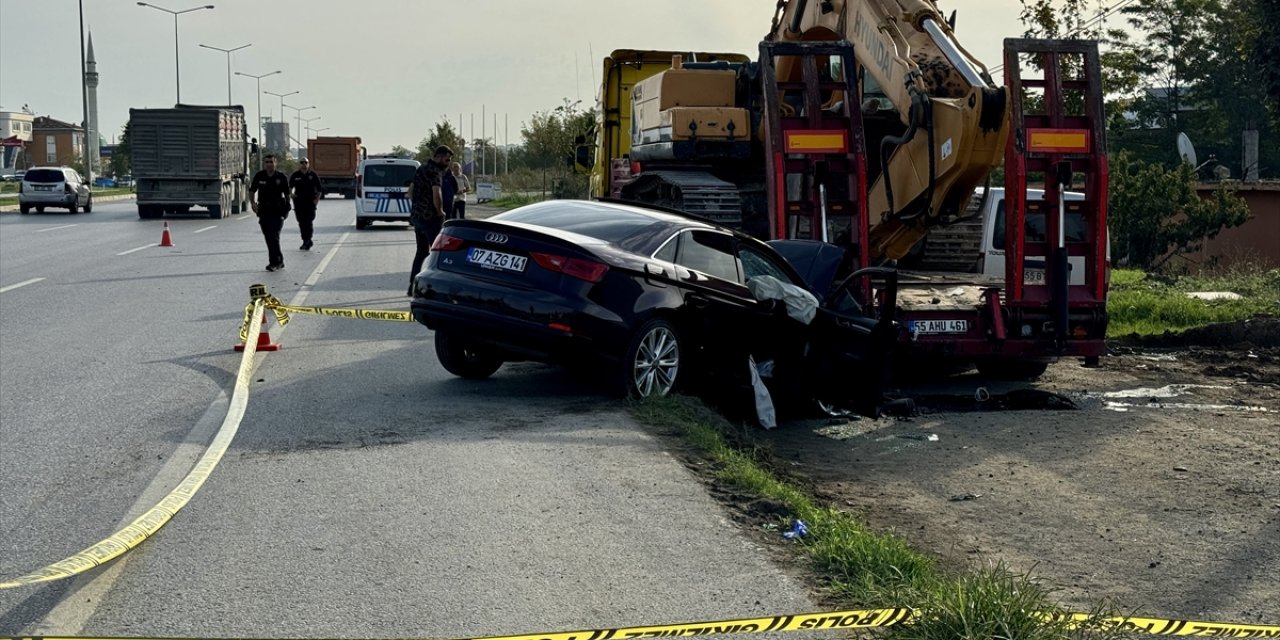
(54, 142)
(91, 87)
(277, 134)
(15, 136)
(1257, 241)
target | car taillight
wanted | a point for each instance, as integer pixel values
(446, 242)
(588, 270)
(635, 168)
(66, 188)
(359, 186)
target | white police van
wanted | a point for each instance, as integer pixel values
(382, 190)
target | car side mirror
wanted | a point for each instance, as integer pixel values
(583, 158)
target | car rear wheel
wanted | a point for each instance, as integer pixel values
(24, 208)
(651, 366)
(73, 208)
(361, 225)
(464, 358)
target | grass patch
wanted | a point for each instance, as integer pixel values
(865, 569)
(1142, 304)
(514, 200)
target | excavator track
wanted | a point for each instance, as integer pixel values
(695, 192)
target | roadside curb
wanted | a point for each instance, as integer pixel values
(13, 208)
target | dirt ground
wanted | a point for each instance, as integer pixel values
(1151, 483)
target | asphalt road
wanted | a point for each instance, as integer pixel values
(368, 493)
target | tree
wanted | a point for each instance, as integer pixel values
(443, 134)
(1155, 214)
(1176, 34)
(399, 151)
(122, 157)
(549, 140)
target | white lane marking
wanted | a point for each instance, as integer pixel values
(146, 246)
(65, 226)
(242, 218)
(20, 284)
(204, 229)
(70, 616)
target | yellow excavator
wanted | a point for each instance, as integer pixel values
(865, 124)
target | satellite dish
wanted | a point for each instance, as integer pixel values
(1186, 150)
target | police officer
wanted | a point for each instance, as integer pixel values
(427, 215)
(270, 200)
(307, 192)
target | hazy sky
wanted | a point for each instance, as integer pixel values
(385, 70)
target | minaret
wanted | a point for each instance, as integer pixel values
(91, 128)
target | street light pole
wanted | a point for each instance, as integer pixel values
(261, 142)
(177, 76)
(84, 94)
(308, 122)
(228, 52)
(298, 115)
(282, 96)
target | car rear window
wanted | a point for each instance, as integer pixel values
(388, 175)
(602, 223)
(44, 175)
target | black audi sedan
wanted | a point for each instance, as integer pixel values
(651, 299)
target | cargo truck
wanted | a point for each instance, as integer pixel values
(190, 156)
(337, 161)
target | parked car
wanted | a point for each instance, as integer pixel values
(656, 299)
(59, 187)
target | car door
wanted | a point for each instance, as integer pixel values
(716, 304)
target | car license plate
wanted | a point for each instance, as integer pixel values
(938, 326)
(496, 259)
(43, 188)
(1033, 276)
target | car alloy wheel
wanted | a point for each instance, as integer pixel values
(654, 360)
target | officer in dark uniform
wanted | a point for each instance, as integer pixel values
(427, 215)
(307, 192)
(270, 200)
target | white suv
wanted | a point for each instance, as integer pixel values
(60, 187)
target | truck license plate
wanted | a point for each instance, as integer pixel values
(938, 326)
(496, 259)
(1033, 276)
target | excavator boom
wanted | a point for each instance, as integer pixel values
(953, 117)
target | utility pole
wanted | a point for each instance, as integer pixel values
(177, 76)
(84, 94)
(228, 52)
(261, 143)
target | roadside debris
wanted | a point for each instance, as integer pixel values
(798, 530)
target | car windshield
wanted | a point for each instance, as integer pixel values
(44, 175)
(607, 224)
(388, 175)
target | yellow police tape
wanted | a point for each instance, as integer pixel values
(853, 619)
(282, 311)
(151, 521)
(148, 523)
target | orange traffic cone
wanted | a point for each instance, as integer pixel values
(264, 338)
(165, 241)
